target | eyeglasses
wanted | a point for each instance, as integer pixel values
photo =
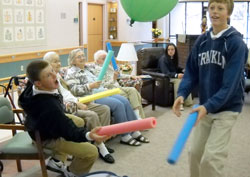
(102, 57)
(81, 56)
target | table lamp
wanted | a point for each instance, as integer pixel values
(127, 53)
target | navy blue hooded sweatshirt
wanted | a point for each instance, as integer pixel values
(217, 67)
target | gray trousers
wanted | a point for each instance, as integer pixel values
(96, 115)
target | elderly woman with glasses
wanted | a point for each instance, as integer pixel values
(82, 81)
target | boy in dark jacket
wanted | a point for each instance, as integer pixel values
(44, 108)
(216, 64)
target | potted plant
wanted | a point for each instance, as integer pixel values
(156, 33)
(126, 68)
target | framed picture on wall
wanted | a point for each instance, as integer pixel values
(23, 23)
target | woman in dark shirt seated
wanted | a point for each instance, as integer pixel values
(168, 64)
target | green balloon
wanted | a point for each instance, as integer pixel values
(147, 10)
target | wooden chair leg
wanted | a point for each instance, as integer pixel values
(19, 165)
(40, 154)
(1, 168)
(43, 167)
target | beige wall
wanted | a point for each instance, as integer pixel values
(63, 32)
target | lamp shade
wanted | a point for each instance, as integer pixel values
(127, 53)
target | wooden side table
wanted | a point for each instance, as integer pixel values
(156, 43)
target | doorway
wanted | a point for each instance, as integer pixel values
(80, 24)
(95, 29)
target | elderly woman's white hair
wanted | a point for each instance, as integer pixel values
(98, 54)
(72, 56)
(49, 56)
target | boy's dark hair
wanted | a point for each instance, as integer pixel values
(34, 69)
(229, 3)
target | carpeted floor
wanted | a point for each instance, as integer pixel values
(149, 160)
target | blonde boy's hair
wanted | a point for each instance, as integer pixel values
(229, 3)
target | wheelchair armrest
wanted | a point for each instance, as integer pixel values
(12, 127)
(154, 73)
(18, 111)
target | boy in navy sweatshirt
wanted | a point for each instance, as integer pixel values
(216, 64)
(44, 108)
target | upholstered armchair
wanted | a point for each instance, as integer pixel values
(147, 64)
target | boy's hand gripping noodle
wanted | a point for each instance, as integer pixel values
(182, 138)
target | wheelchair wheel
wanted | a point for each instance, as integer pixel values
(1, 166)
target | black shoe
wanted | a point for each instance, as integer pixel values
(110, 150)
(107, 158)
